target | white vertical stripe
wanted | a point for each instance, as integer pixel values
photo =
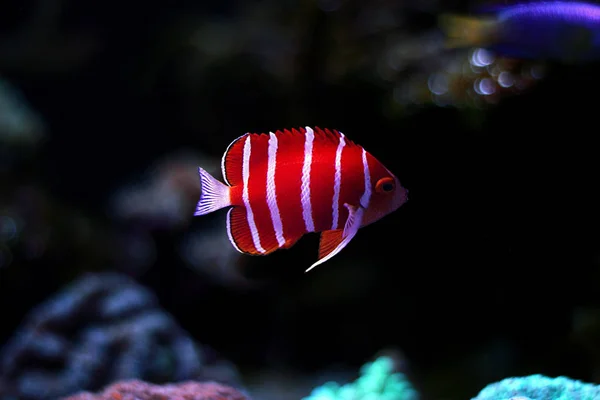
(366, 197)
(271, 192)
(305, 187)
(338, 182)
(246, 200)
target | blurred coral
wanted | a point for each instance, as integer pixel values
(35, 225)
(24, 207)
(21, 128)
(377, 381)
(539, 387)
(102, 328)
(19, 124)
(283, 383)
(414, 62)
(139, 390)
(208, 251)
(167, 194)
(472, 78)
(165, 200)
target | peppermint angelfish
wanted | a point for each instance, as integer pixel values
(280, 186)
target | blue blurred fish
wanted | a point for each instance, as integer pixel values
(556, 30)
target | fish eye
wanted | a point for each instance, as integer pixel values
(385, 185)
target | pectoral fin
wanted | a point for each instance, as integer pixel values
(332, 242)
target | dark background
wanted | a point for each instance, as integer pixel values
(487, 265)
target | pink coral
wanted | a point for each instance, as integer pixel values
(140, 390)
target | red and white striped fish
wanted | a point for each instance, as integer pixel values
(283, 185)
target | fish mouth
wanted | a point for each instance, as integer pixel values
(402, 196)
(402, 192)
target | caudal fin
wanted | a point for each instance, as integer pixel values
(214, 195)
(464, 31)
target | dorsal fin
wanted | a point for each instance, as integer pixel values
(231, 163)
(320, 133)
(241, 237)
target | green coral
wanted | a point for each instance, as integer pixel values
(539, 387)
(377, 381)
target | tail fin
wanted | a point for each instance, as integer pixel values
(214, 195)
(463, 31)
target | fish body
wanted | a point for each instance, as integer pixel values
(565, 31)
(280, 186)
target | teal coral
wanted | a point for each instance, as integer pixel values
(539, 387)
(377, 381)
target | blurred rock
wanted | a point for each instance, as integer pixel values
(208, 251)
(139, 390)
(538, 387)
(166, 196)
(100, 329)
(19, 124)
(472, 78)
(165, 200)
(378, 380)
(21, 128)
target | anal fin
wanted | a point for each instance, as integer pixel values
(332, 242)
(240, 232)
(245, 237)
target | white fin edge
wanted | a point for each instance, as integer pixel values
(214, 194)
(355, 217)
(229, 233)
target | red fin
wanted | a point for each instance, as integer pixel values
(239, 231)
(329, 241)
(326, 134)
(232, 161)
(240, 235)
(331, 135)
